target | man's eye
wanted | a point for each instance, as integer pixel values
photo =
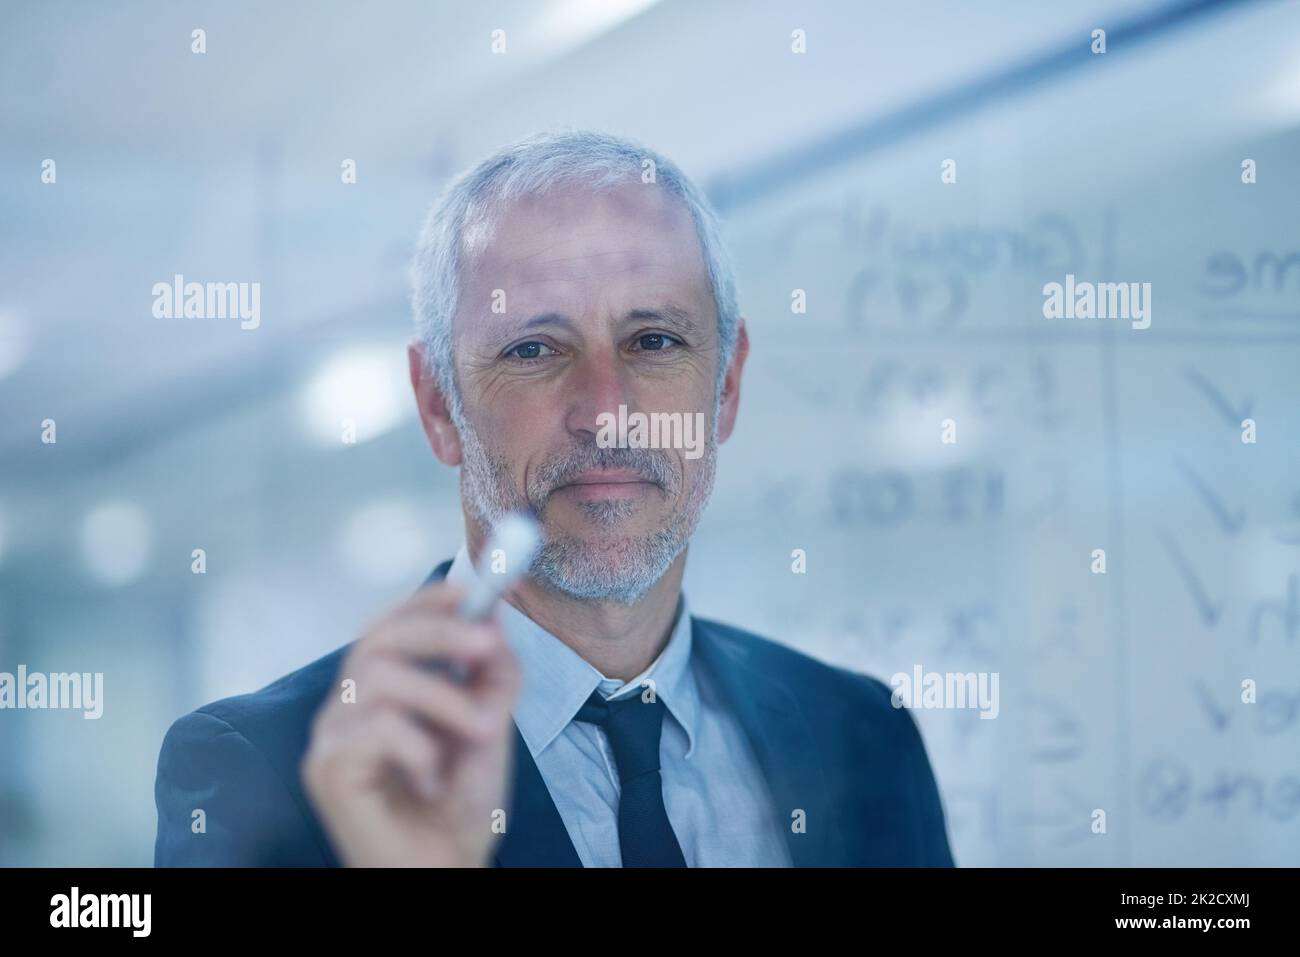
(655, 341)
(527, 350)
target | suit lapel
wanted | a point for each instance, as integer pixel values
(784, 742)
(535, 833)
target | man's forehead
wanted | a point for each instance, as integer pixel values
(574, 233)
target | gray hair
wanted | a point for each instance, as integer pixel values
(532, 166)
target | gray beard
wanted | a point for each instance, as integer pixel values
(619, 571)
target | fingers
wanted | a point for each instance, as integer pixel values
(389, 668)
(390, 683)
(427, 626)
(367, 747)
(389, 673)
(395, 732)
(415, 637)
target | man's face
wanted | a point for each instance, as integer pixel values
(601, 299)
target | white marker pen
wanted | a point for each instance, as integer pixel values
(515, 540)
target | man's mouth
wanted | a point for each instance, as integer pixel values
(596, 484)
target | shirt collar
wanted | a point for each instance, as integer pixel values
(557, 681)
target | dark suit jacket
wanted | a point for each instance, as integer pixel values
(829, 741)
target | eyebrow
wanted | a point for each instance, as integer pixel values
(544, 319)
(668, 315)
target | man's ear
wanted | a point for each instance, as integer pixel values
(731, 385)
(432, 403)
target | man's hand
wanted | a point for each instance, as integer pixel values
(413, 771)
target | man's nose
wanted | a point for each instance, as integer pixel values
(599, 387)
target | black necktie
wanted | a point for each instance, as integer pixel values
(633, 727)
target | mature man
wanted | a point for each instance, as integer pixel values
(600, 722)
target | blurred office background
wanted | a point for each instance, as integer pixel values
(1119, 692)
